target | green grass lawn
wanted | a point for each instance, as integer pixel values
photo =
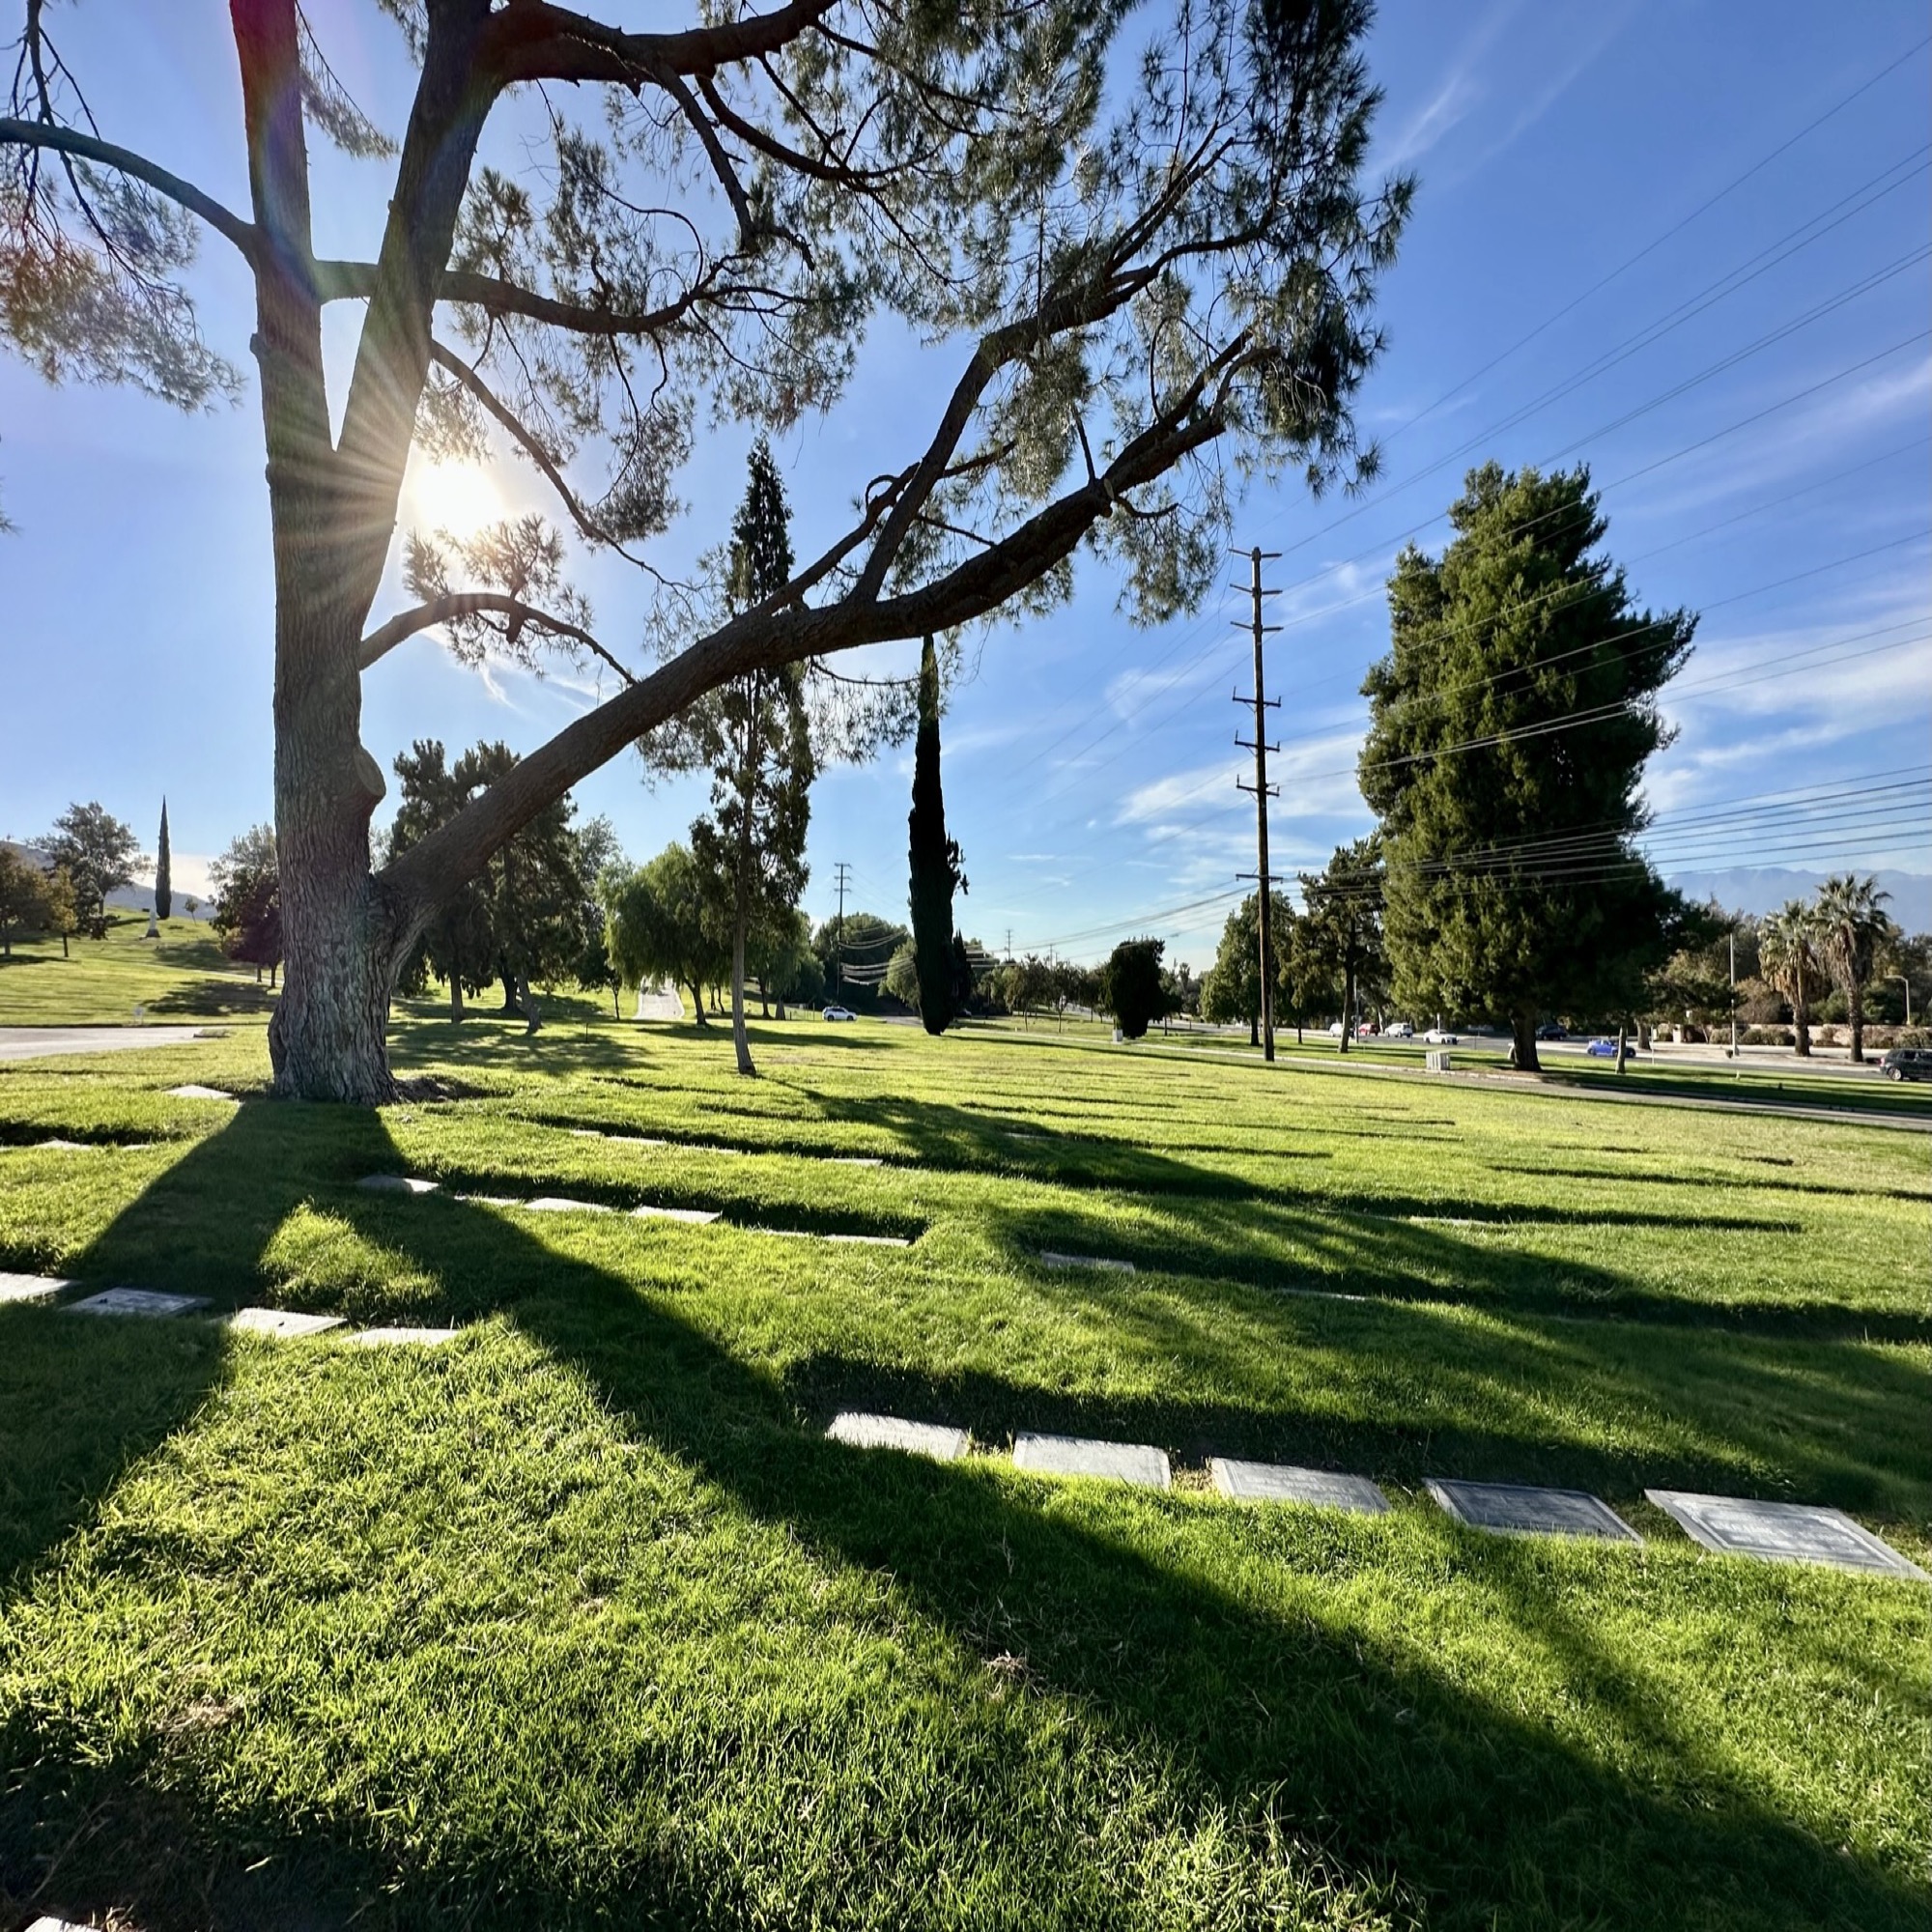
(180, 976)
(582, 1621)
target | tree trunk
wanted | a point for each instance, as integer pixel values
(1623, 1044)
(1347, 1002)
(741, 1045)
(1254, 1029)
(1522, 1035)
(1855, 1000)
(698, 1003)
(456, 996)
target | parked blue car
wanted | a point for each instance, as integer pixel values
(1602, 1050)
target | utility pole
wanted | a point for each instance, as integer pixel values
(844, 872)
(1262, 791)
(1734, 995)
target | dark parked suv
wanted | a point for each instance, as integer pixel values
(1907, 1063)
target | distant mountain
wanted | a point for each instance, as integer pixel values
(1764, 888)
(136, 897)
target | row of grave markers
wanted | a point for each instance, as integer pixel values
(556, 1204)
(1735, 1526)
(282, 1324)
(1732, 1525)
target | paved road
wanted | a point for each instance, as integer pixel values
(43, 1042)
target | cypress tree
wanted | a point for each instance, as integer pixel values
(164, 897)
(935, 860)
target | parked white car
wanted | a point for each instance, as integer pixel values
(1399, 1030)
(1440, 1037)
(1336, 1029)
(840, 1013)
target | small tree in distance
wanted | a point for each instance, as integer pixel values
(164, 898)
(23, 898)
(100, 854)
(1131, 987)
(1789, 943)
(249, 904)
(1853, 929)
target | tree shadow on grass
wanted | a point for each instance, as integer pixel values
(1201, 1646)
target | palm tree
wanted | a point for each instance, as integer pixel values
(1788, 942)
(1852, 929)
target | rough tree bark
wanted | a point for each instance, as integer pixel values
(741, 885)
(1522, 1036)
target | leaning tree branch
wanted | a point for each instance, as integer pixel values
(537, 41)
(778, 633)
(124, 160)
(455, 603)
(356, 281)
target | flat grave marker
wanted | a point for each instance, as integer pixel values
(395, 1183)
(145, 1301)
(1284, 1483)
(1783, 1533)
(31, 1287)
(281, 1322)
(1521, 1509)
(1054, 1258)
(1136, 1463)
(556, 1203)
(403, 1337)
(194, 1092)
(894, 1432)
(692, 1217)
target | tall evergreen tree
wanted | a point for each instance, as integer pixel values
(935, 860)
(1509, 723)
(756, 734)
(164, 897)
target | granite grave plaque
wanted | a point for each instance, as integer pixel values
(281, 1322)
(1053, 1259)
(1519, 1508)
(395, 1183)
(1283, 1483)
(1076, 1455)
(895, 1432)
(1783, 1533)
(30, 1286)
(138, 1301)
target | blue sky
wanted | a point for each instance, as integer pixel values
(1764, 459)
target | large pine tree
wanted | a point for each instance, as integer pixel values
(1510, 721)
